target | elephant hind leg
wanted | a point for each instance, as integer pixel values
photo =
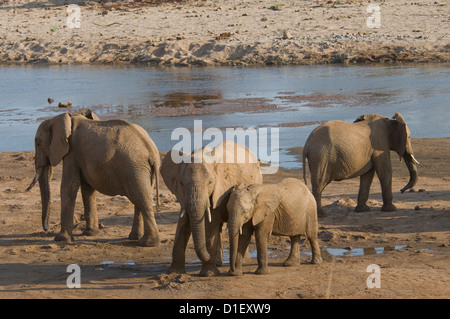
(315, 249)
(318, 185)
(365, 181)
(70, 184)
(294, 255)
(90, 209)
(151, 233)
(137, 230)
(141, 195)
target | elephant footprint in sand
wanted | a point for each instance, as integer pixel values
(284, 209)
(113, 157)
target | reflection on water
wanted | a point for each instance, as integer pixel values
(326, 252)
(294, 99)
(183, 99)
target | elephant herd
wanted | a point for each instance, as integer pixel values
(212, 187)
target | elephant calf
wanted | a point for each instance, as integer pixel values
(284, 209)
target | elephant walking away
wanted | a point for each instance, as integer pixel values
(113, 157)
(202, 187)
(338, 150)
(284, 209)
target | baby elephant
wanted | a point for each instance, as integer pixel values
(284, 209)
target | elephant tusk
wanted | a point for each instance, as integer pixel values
(36, 178)
(208, 211)
(182, 212)
(414, 160)
(240, 230)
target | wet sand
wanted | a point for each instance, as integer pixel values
(224, 32)
(410, 245)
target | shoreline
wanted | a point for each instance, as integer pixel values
(225, 33)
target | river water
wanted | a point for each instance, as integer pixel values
(292, 99)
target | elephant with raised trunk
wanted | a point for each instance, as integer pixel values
(113, 157)
(284, 209)
(202, 183)
(338, 150)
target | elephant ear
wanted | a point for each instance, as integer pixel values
(234, 164)
(171, 173)
(239, 187)
(60, 133)
(226, 177)
(399, 134)
(360, 118)
(266, 203)
(87, 113)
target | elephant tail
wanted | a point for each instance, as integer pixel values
(304, 157)
(158, 200)
(155, 182)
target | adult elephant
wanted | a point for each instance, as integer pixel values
(113, 157)
(202, 183)
(338, 150)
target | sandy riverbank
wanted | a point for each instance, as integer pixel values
(410, 245)
(224, 32)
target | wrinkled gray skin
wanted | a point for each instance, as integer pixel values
(113, 157)
(284, 209)
(203, 189)
(338, 150)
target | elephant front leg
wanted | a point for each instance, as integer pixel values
(243, 242)
(182, 235)
(384, 172)
(261, 238)
(90, 209)
(69, 188)
(213, 245)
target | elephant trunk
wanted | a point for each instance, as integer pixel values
(234, 231)
(196, 211)
(233, 236)
(44, 186)
(410, 162)
(43, 175)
